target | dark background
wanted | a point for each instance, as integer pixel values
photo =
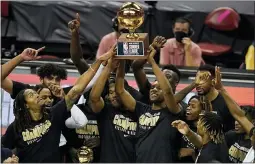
(34, 24)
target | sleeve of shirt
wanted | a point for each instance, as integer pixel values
(230, 138)
(77, 119)
(196, 54)
(8, 139)
(17, 87)
(59, 112)
(92, 82)
(164, 55)
(141, 108)
(5, 153)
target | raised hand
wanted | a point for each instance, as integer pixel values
(112, 52)
(31, 54)
(182, 127)
(13, 159)
(152, 53)
(74, 25)
(218, 83)
(57, 90)
(187, 43)
(202, 77)
(158, 42)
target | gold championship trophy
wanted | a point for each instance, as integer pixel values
(132, 45)
(85, 154)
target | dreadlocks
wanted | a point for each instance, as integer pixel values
(23, 119)
(212, 124)
(206, 104)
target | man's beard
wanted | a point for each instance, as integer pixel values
(205, 92)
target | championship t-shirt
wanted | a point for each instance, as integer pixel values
(238, 146)
(185, 143)
(39, 144)
(157, 141)
(79, 137)
(219, 105)
(213, 152)
(117, 129)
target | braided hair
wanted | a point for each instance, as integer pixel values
(23, 119)
(212, 124)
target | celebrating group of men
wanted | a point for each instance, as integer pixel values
(118, 123)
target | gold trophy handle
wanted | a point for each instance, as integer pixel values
(132, 34)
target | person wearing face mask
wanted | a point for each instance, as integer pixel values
(181, 51)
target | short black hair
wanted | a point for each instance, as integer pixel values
(49, 69)
(249, 111)
(183, 20)
(209, 68)
(174, 69)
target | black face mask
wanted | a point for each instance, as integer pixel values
(179, 35)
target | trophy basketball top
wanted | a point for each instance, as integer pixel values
(131, 16)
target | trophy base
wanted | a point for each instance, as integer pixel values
(132, 48)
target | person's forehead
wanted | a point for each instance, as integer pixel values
(155, 83)
(168, 71)
(182, 25)
(29, 91)
(45, 91)
(112, 86)
(194, 100)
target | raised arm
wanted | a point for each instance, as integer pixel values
(233, 107)
(184, 129)
(75, 47)
(163, 82)
(27, 55)
(96, 102)
(183, 93)
(127, 100)
(84, 80)
(139, 73)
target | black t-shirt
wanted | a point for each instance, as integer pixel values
(238, 146)
(5, 153)
(40, 143)
(117, 129)
(185, 143)
(219, 105)
(157, 141)
(213, 152)
(77, 137)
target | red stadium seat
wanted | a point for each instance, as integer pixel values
(4, 8)
(221, 19)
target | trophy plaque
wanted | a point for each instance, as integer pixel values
(132, 45)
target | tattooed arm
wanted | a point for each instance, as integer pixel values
(81, 84)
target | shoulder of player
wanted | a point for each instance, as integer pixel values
(109, 36)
